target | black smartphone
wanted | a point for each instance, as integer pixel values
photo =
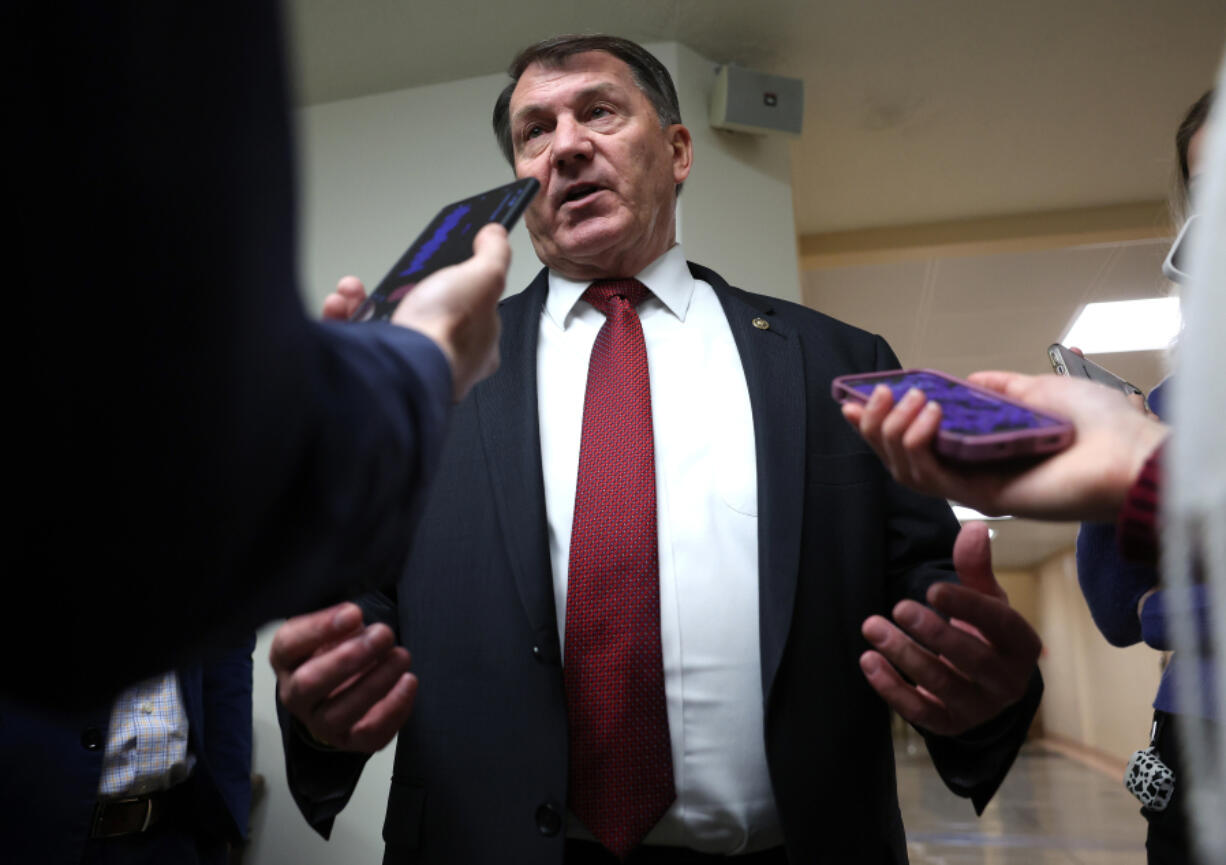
(447, 240)
(1067, 362)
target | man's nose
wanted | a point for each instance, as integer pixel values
(571, 141)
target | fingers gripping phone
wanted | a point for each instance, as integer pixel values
(1067, 362)
(977, 425)
(447, 240)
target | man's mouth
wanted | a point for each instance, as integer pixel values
(580, 192)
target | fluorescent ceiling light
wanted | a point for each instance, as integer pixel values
(965, 514)
(1126, 325)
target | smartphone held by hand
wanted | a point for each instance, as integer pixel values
(1064, 361)
(447, 240)
(977, 425)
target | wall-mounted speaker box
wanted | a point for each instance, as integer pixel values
(748, 101)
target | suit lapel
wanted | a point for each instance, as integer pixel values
(774, 373)
(506, 407)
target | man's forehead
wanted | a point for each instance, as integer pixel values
(593, 70)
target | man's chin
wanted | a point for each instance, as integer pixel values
(594, 243)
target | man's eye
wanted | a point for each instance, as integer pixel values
(533, 131)
(599, 111)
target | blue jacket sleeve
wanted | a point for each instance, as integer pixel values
(227, 734)
(1112, 585)
(196, 456)
(1155, 616)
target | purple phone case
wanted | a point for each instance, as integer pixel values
(977, 425)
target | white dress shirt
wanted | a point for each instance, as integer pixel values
(707, 504)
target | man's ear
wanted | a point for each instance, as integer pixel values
(683, 151)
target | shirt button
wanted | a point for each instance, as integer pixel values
(147, 708)
(91, 739)
(549, 819)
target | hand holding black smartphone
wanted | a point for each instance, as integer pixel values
(447, 240)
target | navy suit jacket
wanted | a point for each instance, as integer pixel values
(481, 767)
(52, 763)
(185, 431)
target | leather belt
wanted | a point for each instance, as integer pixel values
(130, 816)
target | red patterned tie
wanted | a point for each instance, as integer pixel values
(621, 762)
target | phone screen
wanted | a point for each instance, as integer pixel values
(963, 410)
(447, 240)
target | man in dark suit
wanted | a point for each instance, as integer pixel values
(195, 456)
(160, 774)
(709, 579)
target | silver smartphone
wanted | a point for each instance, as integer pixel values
(1064, 361)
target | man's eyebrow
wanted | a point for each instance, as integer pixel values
(602, 89)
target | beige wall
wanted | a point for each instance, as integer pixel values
(1097, 695)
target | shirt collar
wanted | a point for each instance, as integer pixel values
(668, 278)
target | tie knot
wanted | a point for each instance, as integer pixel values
(603, 293)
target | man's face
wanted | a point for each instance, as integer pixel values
(607, 169)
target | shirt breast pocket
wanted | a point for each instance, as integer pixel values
(738, 487)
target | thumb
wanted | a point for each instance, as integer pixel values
(973, 560)
(491, 246)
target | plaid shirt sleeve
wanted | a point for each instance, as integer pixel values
(1137, 528)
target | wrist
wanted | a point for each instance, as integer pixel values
(317, 742)
(1137, 526)
(1147, 446)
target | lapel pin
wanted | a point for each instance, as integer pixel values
(760, 323)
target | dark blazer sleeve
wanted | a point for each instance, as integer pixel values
(226, 734)
(921, 532)
(322, 779)
(196, 455)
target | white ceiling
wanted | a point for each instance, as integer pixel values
(993, 311)
(917, 111)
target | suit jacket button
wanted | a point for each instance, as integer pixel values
(91, 739)
(549, 819)
(538, 654)
(761, 324)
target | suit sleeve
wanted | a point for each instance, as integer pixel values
(322, 779)
(196, 456)
(226, 704)
(921, 536)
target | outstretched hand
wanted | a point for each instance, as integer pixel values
(347, 684)
(966, 670)
(1087, 481)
